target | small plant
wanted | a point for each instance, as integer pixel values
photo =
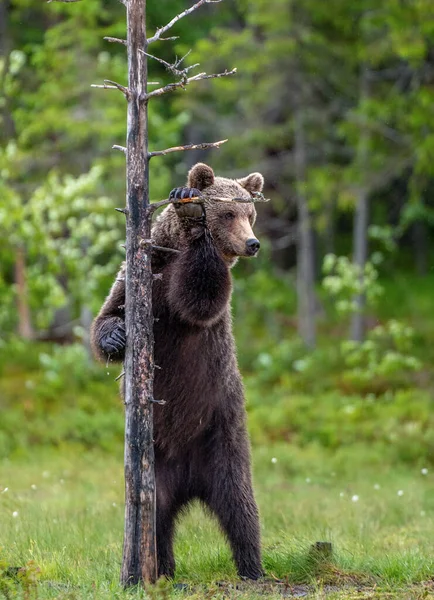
(15, 579)
(386, 353)
(343, 280)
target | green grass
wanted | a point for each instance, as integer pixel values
(61, 458)
(70, 523)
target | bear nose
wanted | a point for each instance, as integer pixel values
(252, 246)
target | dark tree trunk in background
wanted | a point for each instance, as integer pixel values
(8, 129)
(86, 319)
(7, 132)
(361, 218)
(329, 235)
(25, 329)
(419, 233)
(139, 552)
(305, 246)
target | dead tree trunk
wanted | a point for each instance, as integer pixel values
(25, 329)
(139, 555)
(305, 250)
(361, 220)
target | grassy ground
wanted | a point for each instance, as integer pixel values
(62, 516)
(332, 464)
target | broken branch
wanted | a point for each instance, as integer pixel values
(163, 249)
(114, 40)
(173, 68)
(121, 148)
(161, 30)
(112, 85)
(171, 87)
(204, 146)
(257, 197)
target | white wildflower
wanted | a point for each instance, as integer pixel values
(355, 498)
(274, 460)
(424, 471)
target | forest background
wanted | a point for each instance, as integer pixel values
(334, 103)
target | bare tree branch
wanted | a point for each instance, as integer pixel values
(204, 146)
(115, 40)
(162, 30)
(121, 148)
(112, 85)
(169, 39)
(171, 87)
(173, 68)
(257, 197)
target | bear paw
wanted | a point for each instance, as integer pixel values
(114, 342)
(185, 209)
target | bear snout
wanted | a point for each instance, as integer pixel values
(252, 246)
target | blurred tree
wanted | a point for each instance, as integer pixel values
(55, 128)
(357, 145)
(52, 121)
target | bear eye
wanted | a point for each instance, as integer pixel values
(229, 216)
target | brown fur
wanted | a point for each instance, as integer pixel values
(201, 444)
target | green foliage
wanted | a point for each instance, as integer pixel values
(386, 353)
(71, 240)
(344, 280)
(397, 426)
(60, 180)
(60, 395)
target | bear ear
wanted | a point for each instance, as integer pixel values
(252, 183)
(200, 176)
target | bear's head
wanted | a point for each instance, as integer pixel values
(230, 223)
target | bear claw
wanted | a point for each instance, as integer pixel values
(184, 192)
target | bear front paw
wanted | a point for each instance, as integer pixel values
(186, 208)
(114, 342)
(183, 193)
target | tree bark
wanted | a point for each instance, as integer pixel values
(25, 329)
(361, 220)
(139, 552)
(305, 249)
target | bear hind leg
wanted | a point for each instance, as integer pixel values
(165, 530)
(235, 507)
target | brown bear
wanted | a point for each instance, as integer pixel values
(201, 444)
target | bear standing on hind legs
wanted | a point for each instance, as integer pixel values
(201, 444)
